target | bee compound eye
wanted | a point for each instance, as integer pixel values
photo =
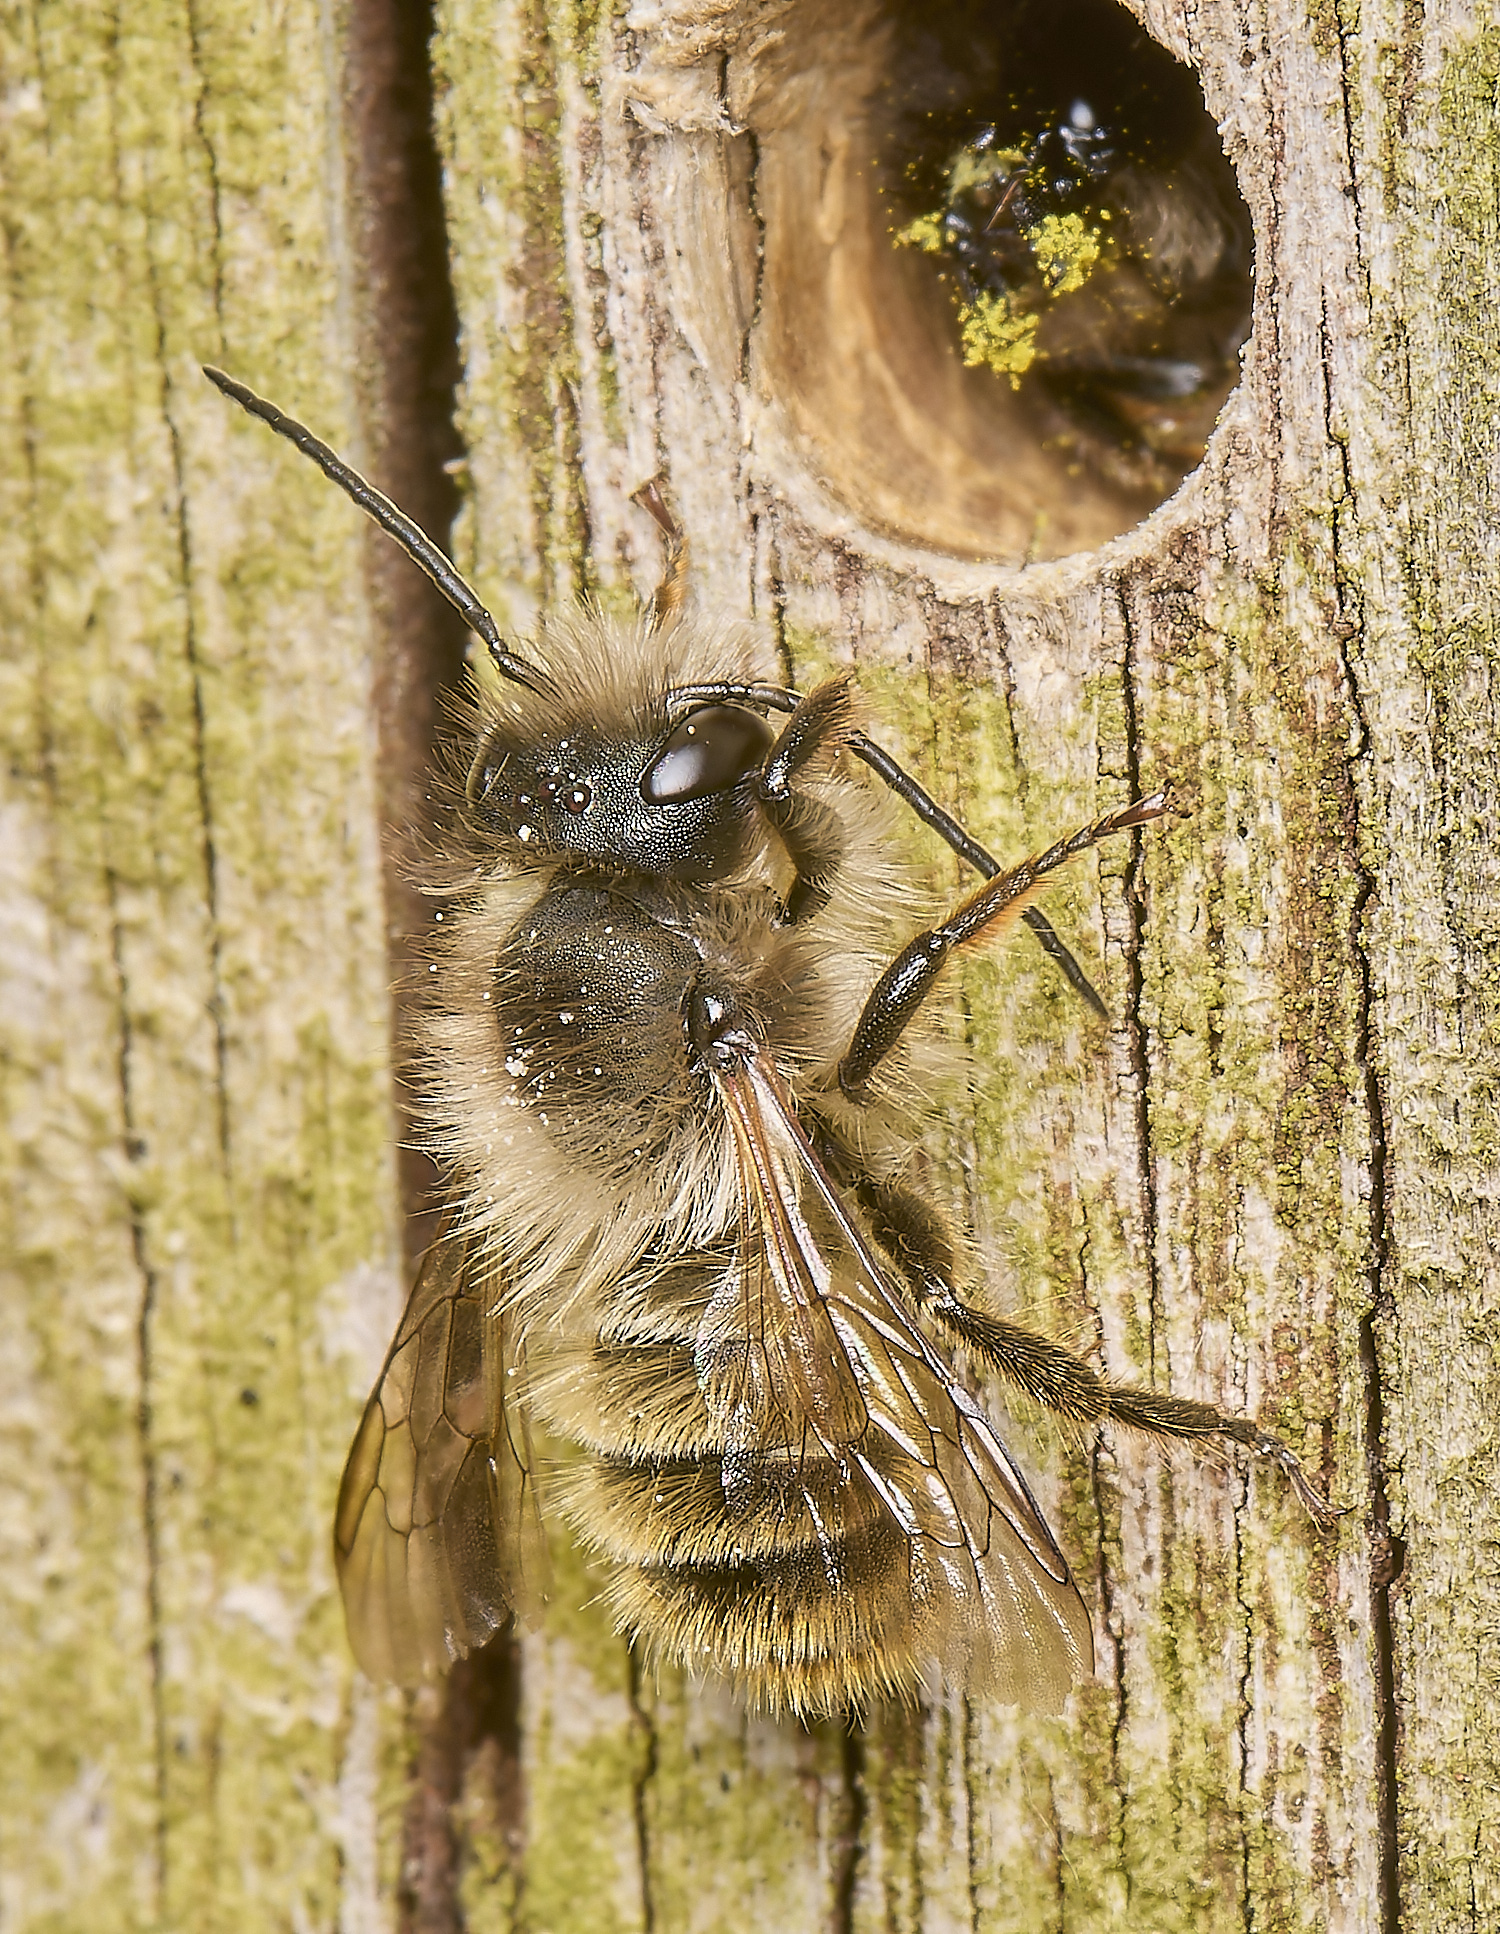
(710, 751)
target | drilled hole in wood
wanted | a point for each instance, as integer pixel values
(1006, 270)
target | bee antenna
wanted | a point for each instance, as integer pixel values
(418, 546)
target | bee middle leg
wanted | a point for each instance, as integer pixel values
(927, 809)
(916, 1239)
(911, 976)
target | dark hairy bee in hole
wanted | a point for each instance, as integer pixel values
(1064, 176)
(673, 1064)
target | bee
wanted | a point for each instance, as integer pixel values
(1073, 195)
(672, 1063)
(1122, 284)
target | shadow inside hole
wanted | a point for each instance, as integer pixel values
(1006, 269)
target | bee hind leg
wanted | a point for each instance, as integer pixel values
(913, 1234)
(1065, 1385)
(917, 1240)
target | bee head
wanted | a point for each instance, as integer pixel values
(677, 801)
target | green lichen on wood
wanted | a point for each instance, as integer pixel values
(1220, 1107)
(739, 1812)
(508, 76)
(1434, 952)
(203, 1153)
(1256, 1095)
(588, 1750)
(498, 137)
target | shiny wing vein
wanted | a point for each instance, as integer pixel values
(437, 1536)
(845, 1366)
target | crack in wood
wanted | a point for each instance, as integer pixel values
(411, 347)
(640, 1788)
(468, 1787)
(848, 1847)
(1135, 1026)
(134, 1149)
(1387, 1551)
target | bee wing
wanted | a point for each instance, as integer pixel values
(852, 1376)
(438, 1535)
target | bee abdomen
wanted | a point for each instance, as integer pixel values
(627, 1401)
(822, 1626)
(683, 1513)
(630, 1388)
(780, 1565)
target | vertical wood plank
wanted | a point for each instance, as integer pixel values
(199, 1236)
(1185, 1194)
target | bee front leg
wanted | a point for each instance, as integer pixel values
(811, 833)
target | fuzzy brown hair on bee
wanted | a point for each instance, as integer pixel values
(674, 1056)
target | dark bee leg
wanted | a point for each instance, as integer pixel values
(777, 698)
(915, 1236)
(1064, 1384)
(811, 834)
(947, 828)
(911, 976)
(916, 1239)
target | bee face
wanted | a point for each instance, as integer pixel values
(658, 1063)
(677, 803)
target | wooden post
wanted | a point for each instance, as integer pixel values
(200, 1245)
(1270, 1182)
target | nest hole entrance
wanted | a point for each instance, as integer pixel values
(1006, 266)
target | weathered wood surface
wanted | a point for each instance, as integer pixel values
(200, 1244)
(1271, 1183)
